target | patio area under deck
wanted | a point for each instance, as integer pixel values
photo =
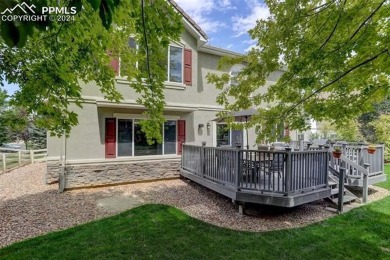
(280, 178)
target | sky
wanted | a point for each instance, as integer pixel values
(226, 22)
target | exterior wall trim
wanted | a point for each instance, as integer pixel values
(141, 116)
(169, 106)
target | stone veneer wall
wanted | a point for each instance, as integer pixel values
(53, 169)
(89, 175)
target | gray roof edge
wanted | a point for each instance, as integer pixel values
(188, 18)
(219, 51)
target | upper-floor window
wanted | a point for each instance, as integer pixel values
(235, 69)
(175, 64)
(179, 67)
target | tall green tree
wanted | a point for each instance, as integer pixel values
(16, 32)
(382, 132)
(19, 125)
(54, 62)
(335, 56)
(4, 137)
(365, 120)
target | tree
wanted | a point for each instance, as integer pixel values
(348, 131)
(382, 132)
(17, 124)
(4, 137)
(20, 125)
(365, 120)
(53, 62)
(15, 33)
(326, 130)
(336, 59)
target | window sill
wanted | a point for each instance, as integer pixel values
(167, 84)
(174, 85)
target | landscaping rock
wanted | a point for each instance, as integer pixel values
(29, 207)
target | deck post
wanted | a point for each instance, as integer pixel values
(241, 208)
(288, 170)
(365, 182)
(237, 166)
(342, 163)
(202, 159)
(360, 156)
(344, 145)
(340, 203)
(301, 145)
(327, 159)
(332, 143)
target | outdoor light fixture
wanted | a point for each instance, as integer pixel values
(208, 126)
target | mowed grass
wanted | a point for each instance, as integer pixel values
(163, 232)
(386, 184)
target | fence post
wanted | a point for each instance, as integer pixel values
(32, 156)
(365, 182)
(288, 170)
(4, 163)
(19, 158)
(340, 203)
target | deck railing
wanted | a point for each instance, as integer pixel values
(265, 171)
(357, 155)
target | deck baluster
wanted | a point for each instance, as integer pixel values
(288, 170)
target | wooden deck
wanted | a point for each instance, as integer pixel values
(358, 162)
(281, 178)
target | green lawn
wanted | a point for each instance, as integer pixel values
(163, 232)
(386, 184)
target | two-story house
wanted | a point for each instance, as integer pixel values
(108, 146)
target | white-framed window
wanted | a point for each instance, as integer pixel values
(132, 141)
(234, 70)
(226, 136)
(175, 64)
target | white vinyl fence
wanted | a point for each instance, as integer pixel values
(12, 158)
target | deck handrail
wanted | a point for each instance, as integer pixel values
(279, 171)
(354, 157)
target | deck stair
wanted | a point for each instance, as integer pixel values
(348, 197)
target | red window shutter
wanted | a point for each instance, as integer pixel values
(181, 135)
(114, 63)
(188, 67)
(110, 139)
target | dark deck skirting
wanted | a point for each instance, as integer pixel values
(258, 197)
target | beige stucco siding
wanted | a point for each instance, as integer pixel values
(86, 139)
(196, 104)
(199, 93)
